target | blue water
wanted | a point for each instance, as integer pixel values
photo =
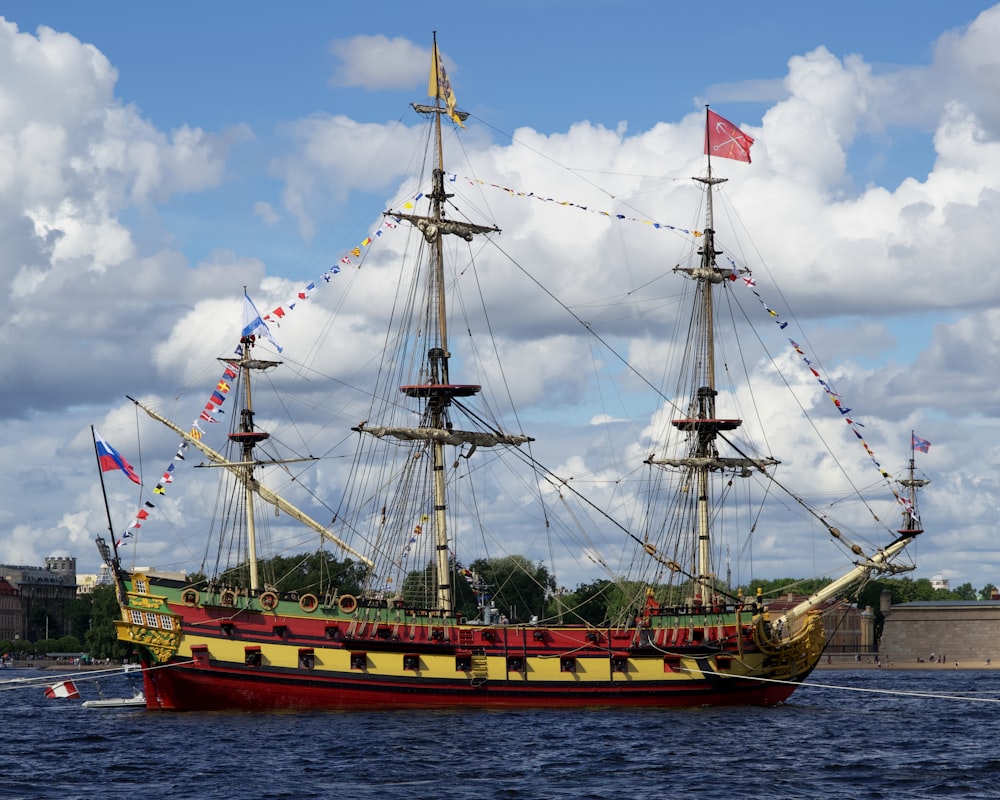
(829, 741)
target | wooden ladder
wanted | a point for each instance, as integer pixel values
(479, 666)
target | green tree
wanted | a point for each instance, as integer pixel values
(965, 592)
(587, 603)
(46, 646)
(419, 590)
(518, 586)
(41, 622)
(78, 614)
(986, 593)
(778, 587)
(313, 572)
(101, 640)
(68, 644)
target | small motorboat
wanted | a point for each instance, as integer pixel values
(138, 700)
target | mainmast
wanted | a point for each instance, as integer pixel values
(436, 389)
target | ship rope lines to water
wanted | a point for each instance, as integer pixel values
(410, 619)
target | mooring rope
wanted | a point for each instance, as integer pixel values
(862, 689)
(46, 680)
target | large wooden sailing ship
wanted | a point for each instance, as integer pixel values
(683, 636)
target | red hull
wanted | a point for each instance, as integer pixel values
(185, 688)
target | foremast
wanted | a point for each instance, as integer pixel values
(702, 424)
(881, 560)
(246, 435)
(911, 484)
(434, 387)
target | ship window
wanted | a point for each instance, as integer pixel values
(567, 664)
(252, 656)
(359, 660)
(141, 586)
(150, 619)
(515, 663)
(167, 623)
(463, 663)
(724, 662)
(136, 616)
(307, 658)
(333, 632)
(671, 663)
(199, 652)
(619, 663)
(411, 662)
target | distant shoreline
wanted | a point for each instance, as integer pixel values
(868, 662)
(47, 664)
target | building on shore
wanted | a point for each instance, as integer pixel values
(944, 631)
(10, 610)
(34, 600)
(87, 582)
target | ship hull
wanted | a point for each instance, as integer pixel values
(217, 650)
(189, 689)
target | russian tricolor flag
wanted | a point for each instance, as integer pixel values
(110, 459)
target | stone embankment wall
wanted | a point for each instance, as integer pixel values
(956, 631)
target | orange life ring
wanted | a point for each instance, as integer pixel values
(269, 601)
(190, 597)
(227, 598)
(308, 603)
(347, 603)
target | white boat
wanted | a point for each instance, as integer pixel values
(138, 700)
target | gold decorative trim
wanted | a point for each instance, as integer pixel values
(146, 602)
(161, 644)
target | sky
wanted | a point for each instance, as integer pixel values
(157, 158)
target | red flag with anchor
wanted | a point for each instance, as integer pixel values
(724, 139)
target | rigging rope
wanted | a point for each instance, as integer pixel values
(862, 689)
(36, 681)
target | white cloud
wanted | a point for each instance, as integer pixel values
(380, 62)
(265, 212)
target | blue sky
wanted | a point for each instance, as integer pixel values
(154, 158)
